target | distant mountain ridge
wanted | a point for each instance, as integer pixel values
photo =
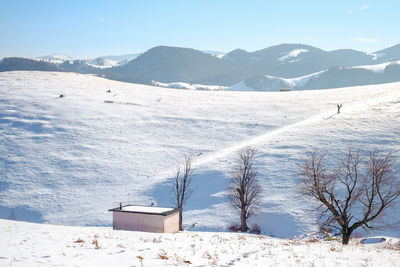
(266, 69)
(334, 77)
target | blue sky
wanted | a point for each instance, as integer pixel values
(86, 29)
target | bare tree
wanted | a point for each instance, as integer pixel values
(181, 188)
(244, 190)
(353, 194)
(339, 106)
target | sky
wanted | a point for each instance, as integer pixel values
(87, 29)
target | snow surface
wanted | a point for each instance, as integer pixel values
(28, 244)
(377, 56)
(106, 63)
(146, 209)
(240, 86)
(68, 160)
(56, 58)
(290, 82)
(377, 68)
(190, 86)
(299, 82)
(292, 54)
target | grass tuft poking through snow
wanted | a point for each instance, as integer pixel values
(28, 244)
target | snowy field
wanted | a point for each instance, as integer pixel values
(68, 160)
(30, 244)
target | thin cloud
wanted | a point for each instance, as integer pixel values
(361, 8)
(100, 19)
(365, 40)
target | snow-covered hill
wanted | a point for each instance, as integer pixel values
(27, 244)
(329, 78)
(56, 58)
(188, 86)
(273, 83)
(67, 160)
(292, 55)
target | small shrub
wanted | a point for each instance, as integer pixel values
(255, 229)
(234, 228)
(326, 232)
(79, 240)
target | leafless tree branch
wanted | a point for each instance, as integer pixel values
(349, 197)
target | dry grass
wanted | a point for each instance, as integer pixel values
(79, 240)
(331, 239)
(313, 240)
(164, 257)
(140, 259)
(157, 240)
(392, 246)
(242, 237)
(96, 244)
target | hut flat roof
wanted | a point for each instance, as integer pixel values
(146, 209)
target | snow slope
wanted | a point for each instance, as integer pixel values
(274, 82)
(377, 68)
(68, 160)
(292, 54)
(56, 58)
(27, 244)
(189, 86)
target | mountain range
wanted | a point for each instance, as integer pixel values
(295, 66)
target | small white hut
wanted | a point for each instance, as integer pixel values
(147, 219)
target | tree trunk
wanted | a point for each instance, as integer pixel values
(180, 220)
(243, 222)
(346, 233)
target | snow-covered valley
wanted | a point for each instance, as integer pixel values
(67, 160)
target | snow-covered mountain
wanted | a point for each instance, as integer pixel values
(56, 58)
(217, 54)
(389, 54)
(330, 78)
(99, 62)
(181, 85)
(168, 65)
(111, 61)
(292, 56)
(68, 160)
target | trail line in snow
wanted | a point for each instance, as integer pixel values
(347, 108)
(258, 139)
